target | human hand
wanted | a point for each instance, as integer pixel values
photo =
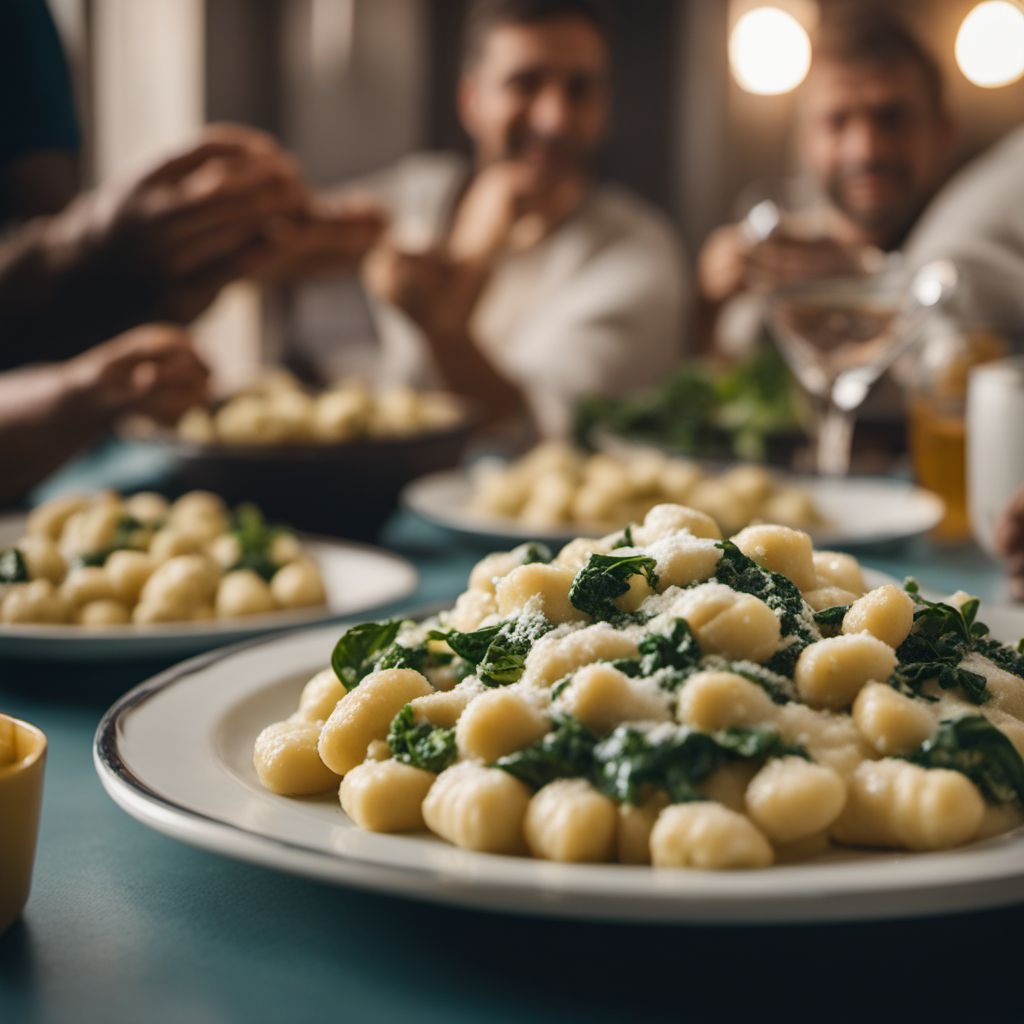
(508, 205)
(1009, 542)
(783, 259)
(415, 282)
(329, 235)
(152, 371)
(175, 234)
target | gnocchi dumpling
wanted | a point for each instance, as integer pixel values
(478, 808)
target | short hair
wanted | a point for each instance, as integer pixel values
(484, 16)
(868, 34)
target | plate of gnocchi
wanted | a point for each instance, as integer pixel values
(113, 576)
(667, 725)
(555, 493)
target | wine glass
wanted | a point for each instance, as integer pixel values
(840, 333)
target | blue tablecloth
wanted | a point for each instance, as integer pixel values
(125, 925)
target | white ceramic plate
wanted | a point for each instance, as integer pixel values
(357, 578)
(859, 511)
(176, 753)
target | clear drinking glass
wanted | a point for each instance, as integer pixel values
(995, 451)
(839, 335)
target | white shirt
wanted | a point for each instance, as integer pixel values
(978, 221)
(596, 307)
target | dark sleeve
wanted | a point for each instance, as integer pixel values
(37, 109)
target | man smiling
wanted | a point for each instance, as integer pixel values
(514, 278)
(874, 137)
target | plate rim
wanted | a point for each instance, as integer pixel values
(209, 632)
(499, 530)
(168, 815)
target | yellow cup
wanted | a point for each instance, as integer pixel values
(21, 794)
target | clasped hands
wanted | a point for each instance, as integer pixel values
(505, 209)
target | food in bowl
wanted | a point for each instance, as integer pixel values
(557, 485)
(108, 560)
(663, 696)
(277, 411)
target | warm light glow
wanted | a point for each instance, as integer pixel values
(990, 44)
(769, 51)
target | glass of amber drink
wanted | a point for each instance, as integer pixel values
(937, 418)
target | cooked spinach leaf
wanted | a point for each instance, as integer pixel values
(780, 688)
(255, 538)
(567, 751)
(533, 551)
(13, 567)
(941, 637)
(1008, 659)
(625, 539)
(426, 746)
(974, 746)
(360, 650)
(605, 578)
(497, 653)
(672, 656)
(124, 539)
(742, 573)
(830, 620)
(631, 760)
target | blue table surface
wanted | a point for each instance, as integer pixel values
(127, 925)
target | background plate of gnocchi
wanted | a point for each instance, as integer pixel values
(81, 614)
(851, 512)
(177, 754)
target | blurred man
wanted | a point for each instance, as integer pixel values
(517, 280)
(977, 220)
(874, 135)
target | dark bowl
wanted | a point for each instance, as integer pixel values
(346, 489)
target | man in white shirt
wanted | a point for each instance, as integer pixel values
(875, 138)
(978, 221)
(516, 279)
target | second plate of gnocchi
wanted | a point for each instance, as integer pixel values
(105, 575)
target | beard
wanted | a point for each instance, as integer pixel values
(887, 215)
(554, 156)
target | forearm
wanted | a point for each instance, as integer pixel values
(467, 371)
(42, 424)
(58, 296)
(465, 367)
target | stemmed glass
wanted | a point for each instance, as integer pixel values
(839, 334)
